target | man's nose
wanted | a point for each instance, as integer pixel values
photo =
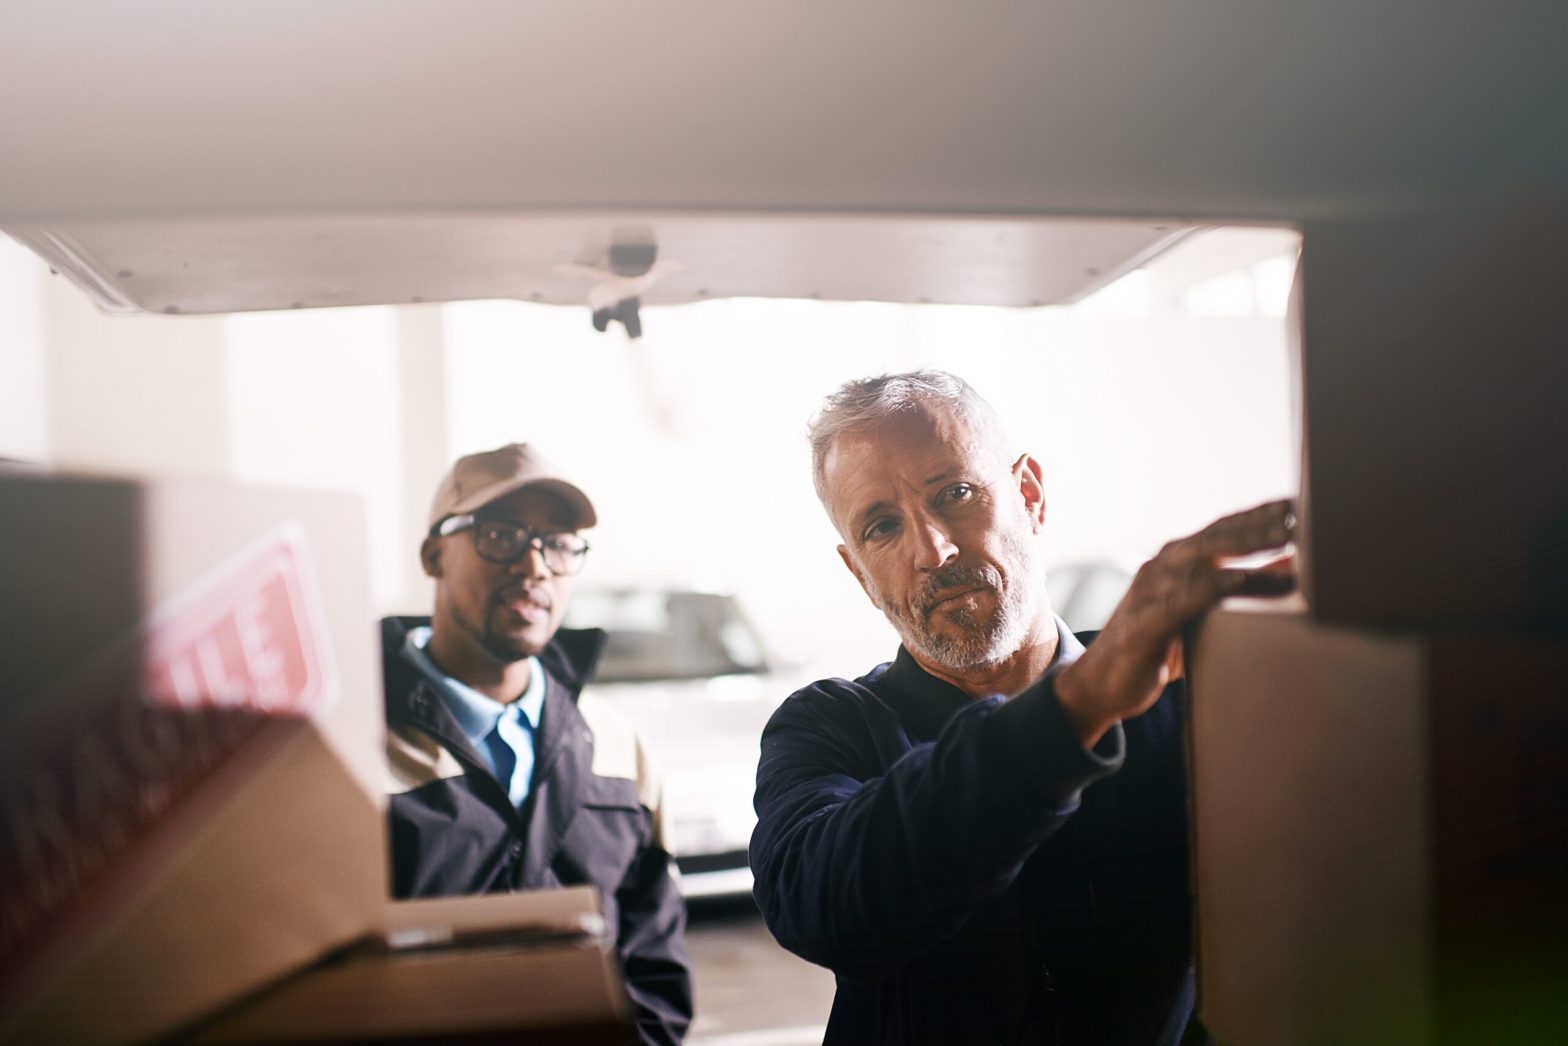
(531, 563)
(933, 545)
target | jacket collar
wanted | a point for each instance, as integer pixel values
(559, 761)
(571, 657)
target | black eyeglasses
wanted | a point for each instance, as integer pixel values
(502, 542)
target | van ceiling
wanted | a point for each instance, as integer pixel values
(238, 263)
(344, 119)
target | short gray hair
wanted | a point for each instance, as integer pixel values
(866, 402)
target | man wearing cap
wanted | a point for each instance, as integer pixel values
(504, 775)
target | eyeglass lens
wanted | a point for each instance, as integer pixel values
(507, 543)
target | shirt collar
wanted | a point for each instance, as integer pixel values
(927, 702)
(475, 713)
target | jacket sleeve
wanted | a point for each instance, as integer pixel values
(652, 947)
(862, 866)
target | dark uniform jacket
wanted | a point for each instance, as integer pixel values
(593, 815)
(968, 871)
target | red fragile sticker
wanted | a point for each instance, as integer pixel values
(248, 639)
(138, 733)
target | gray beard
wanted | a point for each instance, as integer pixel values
(984, 639)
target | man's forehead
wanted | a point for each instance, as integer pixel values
(862, 465)
(901, 441)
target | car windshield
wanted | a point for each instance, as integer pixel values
(669, 635)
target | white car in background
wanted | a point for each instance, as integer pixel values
(690, 670)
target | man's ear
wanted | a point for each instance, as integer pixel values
(430, 556)
(1031, 487)
(854, 568)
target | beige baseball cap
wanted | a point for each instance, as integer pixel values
(475, 480)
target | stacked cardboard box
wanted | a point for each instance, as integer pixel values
(1380, 771)
(191, 794)
(1381, 834)
(1431, 354)
(515, 968)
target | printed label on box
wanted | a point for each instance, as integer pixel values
(145, 723)
(249, 638)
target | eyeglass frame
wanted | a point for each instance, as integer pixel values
(536, 542)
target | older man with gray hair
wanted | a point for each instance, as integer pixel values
(986, 839)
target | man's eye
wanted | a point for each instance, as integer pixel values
(958, 492)
(879, 529)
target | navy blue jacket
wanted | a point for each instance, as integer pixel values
(593, 815)
(968, 871)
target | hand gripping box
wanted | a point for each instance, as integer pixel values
(1380, 832)
(190, 798)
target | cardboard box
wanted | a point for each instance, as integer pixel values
(192, 775)
(1380, 832)
(190, 748)
(527, 967)
(1433, 366)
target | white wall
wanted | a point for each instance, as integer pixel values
(314, 401)
(82, 390)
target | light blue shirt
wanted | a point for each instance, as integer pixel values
(502, 733)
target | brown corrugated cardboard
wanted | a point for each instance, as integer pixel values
(528, 967)
(566, 993)
(190, 748)
(1380, 832)
(568, 910)
(1433, 367)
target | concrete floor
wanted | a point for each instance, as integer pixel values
(751, 992)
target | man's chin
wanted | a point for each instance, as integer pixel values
(958, 648)
(514, 646)
(958, 623)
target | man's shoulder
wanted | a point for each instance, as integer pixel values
(838, 689)
(618, 748)
(831, 700)
(847, 725)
